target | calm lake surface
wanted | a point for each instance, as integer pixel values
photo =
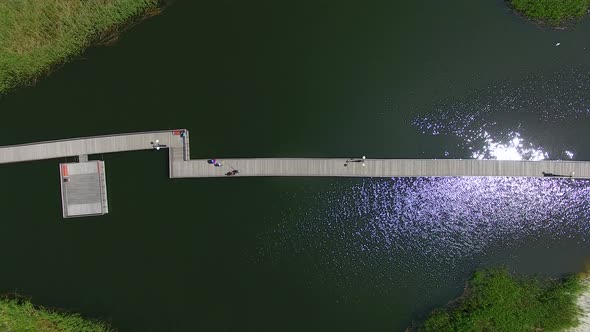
(310, 79)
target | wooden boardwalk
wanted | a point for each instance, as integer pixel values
(181, 166)
(85, 194)
(381, 168)
(87, 146)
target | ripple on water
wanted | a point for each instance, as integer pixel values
(492, 123)
(380, 232)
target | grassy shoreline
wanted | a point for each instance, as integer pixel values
(495, 300)
(36, 36)
(22, 315)
(551, 12)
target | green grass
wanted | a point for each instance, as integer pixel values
(498, 301)
(553, 12)
(37, 35)
(22, 316)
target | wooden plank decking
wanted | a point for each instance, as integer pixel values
(86, 194)
(86, 146)
(182, 167)
(380, 168)
(83, 189)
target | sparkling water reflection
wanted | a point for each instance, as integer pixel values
(383, 231)
(513, 149)
(487, 122)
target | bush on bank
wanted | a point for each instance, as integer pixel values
(21, 315)
(36, 35)
(553, 12)
(495, 300)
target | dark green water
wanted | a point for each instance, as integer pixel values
(312, 78)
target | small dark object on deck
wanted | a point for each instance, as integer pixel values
(211, 161)
(229, 173)
(217, 164)
(234, 172)
(351, 160)
(558, 175)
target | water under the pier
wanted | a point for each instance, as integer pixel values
(462, 79)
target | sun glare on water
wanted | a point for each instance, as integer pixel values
(513, 149)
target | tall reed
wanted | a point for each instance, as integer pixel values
(37, 35)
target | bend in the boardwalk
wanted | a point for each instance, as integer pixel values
(181, 166)
(88, 145)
